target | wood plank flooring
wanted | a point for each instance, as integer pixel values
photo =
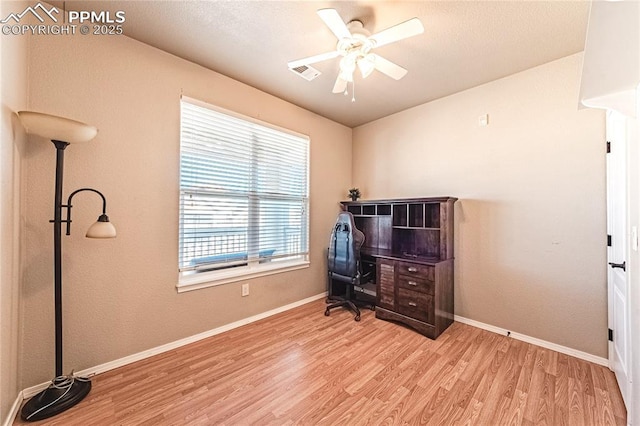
(302, 368)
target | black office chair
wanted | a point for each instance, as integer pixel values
(344, 263)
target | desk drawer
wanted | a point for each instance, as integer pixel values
(415, 269)
(415, 305)
(416, 284)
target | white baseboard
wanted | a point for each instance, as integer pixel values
(534, 341)
(13, 411)
(29, 392)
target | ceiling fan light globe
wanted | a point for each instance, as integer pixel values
(366, 73)
(346, 75)
(348, 64)
(366, 65)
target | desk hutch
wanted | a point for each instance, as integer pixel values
(411, 243)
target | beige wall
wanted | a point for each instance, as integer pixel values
(530, 224)
(14, 98)
(120, 295)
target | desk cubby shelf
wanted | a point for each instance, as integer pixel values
(419, 226)
(367, 209)
(411, 241)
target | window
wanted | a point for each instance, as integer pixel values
(243, 196)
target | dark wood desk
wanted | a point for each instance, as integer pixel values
(411, 241)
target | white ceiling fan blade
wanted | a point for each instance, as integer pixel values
(340, 86)
(313, 59)
(401, 31)
(335, 23)
(387, 67)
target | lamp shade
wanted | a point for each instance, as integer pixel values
(102, 228)
(56, 128)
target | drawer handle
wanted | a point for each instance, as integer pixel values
(413, 283)
(412, 304)
(412, 269)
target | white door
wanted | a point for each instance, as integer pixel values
(619, 318)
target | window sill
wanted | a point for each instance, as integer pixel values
(196, 280)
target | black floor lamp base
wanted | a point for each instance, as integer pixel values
(62, 394)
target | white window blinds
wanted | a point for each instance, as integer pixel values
(243, 191)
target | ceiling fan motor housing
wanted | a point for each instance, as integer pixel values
(358, 42)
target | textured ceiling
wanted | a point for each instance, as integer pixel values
(465, 44)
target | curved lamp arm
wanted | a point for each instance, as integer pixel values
(104, 200)
(102, 219)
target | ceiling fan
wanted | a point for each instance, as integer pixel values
(355, 45)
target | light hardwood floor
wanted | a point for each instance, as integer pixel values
(300, 367)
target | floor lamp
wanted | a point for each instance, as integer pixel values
(65, 391)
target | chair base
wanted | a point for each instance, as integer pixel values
(336, 302)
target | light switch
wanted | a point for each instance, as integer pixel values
(483, 120)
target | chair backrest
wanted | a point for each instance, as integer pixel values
(344, 248)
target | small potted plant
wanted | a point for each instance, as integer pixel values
(354, 194)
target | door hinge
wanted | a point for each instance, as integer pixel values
(608, 147)
(608, 240)
(610, 335)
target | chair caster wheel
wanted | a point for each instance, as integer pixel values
(357, 318)
(326, 313)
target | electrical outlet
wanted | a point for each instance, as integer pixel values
(245, 289)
